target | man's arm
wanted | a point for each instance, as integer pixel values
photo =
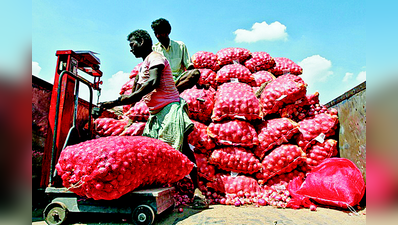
(186, 59)
(141, 90)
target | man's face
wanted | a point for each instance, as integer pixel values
(162, 36)
(136, 48)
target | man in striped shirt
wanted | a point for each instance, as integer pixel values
(168, 120)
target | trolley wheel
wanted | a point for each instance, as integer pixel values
(143, 215)
(55, 213)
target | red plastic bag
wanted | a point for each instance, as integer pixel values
(298, 201)
(335, 182)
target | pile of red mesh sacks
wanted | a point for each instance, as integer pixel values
(255, 143)
(256, 129)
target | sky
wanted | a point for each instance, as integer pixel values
(326, 38)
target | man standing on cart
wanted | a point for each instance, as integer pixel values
(168, 120)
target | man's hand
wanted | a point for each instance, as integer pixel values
(108, 104)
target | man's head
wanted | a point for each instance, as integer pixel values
(161, 27)
(140, 42)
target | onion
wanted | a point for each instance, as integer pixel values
(313, 207)
(262, 202)
(238, 203)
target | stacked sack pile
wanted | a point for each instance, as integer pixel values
(256, 127)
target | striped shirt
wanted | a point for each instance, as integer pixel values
(166, 92)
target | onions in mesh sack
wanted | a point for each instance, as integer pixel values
(317, 108)
(205, 60)
(285, 65)
(284, 89)
(134, 72)
(138, 112)
(200, 103)
(259, 61)
(319, 152)
(205, 169)
(135, 129)
(282, 159)
(234, 184)
(274, 132)
(234, 132)
(234, 71)
(284, 178)
(200, 139)
(261, 77)
(235, 100)
(316, 129)
(109, 126)
(127, 87)
(235, 159)
(230, 55)
(208, 76)
(109, 167)
(300, 109)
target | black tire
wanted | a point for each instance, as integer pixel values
(55, 214)
(143, 215)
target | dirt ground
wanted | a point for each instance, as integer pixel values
(224, 214)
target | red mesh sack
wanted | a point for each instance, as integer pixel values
(234, 132)
(205, 60)
(126, 108)
(235, 101)
(135, 129)
(208, 76)
(317, 108)
(259, 61)
(200, 139)
(205, 169)
(285, 178)
(335, 182)
(138, 112)
(261, 77)
(233, 184)
(319, 152)
(200, 103)
(231, 55)
(284, 89)
(299, 110)
(282, 159)
(109, 167)
(134, 72)
(127, 87)
(311, 99)
(109, 126)
(316, 129)
(234, 71)
(285, 65)
(274, 132)
(235, 159)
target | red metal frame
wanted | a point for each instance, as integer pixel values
(66, 60)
